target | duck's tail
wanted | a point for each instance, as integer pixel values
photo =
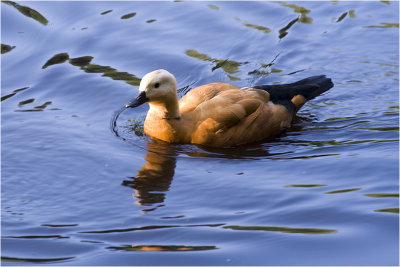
(294, 95)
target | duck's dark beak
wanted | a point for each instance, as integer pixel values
(140, 99)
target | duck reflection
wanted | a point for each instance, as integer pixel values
(155, 177)
(153, 180)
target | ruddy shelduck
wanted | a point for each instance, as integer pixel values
(221, 114)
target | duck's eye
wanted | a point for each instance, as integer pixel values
(156, 85)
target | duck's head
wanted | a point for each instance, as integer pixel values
(158, 86)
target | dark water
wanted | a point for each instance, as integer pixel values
(80, 186)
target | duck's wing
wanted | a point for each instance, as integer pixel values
(201, 94)
(233, 116)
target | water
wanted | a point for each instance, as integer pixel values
(81, 186)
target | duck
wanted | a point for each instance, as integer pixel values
(221, 114)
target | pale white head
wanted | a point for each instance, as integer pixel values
(158, 86)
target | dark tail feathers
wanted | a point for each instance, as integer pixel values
(318, 85)
(309, 88)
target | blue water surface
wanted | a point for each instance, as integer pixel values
(81, 185)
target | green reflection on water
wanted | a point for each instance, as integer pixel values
(13, 93)
(81, 61)
(129, 15)
(43, 106)
(382, 195)
(275, 70)
(343, 191)
(265, 73)
(258, 27)
(6, 48)
(283, 32)
(282, 229)
(112, 73)
(351, 14)
(56, 59)
(391, 73)
(301, 10)
(233, 78)
(94, 68)
(195, 54)
(22, 103)
(137, 126)
(259, 72)
(162, 248)
(214, 7)
(85, 64)
(390, 210)
(117, 75)
(229, 66)
(37, 108)
(384, 25)
(106, 12)
(305, 185)
(29, 12)
(341, 17)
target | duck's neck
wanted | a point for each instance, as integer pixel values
(166, 110)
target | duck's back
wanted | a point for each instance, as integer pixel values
(201, 94)
(221, 114)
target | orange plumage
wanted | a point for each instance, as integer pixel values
(219, 114)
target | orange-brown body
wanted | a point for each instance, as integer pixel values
(221, 114)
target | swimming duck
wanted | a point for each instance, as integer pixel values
(221, 114)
